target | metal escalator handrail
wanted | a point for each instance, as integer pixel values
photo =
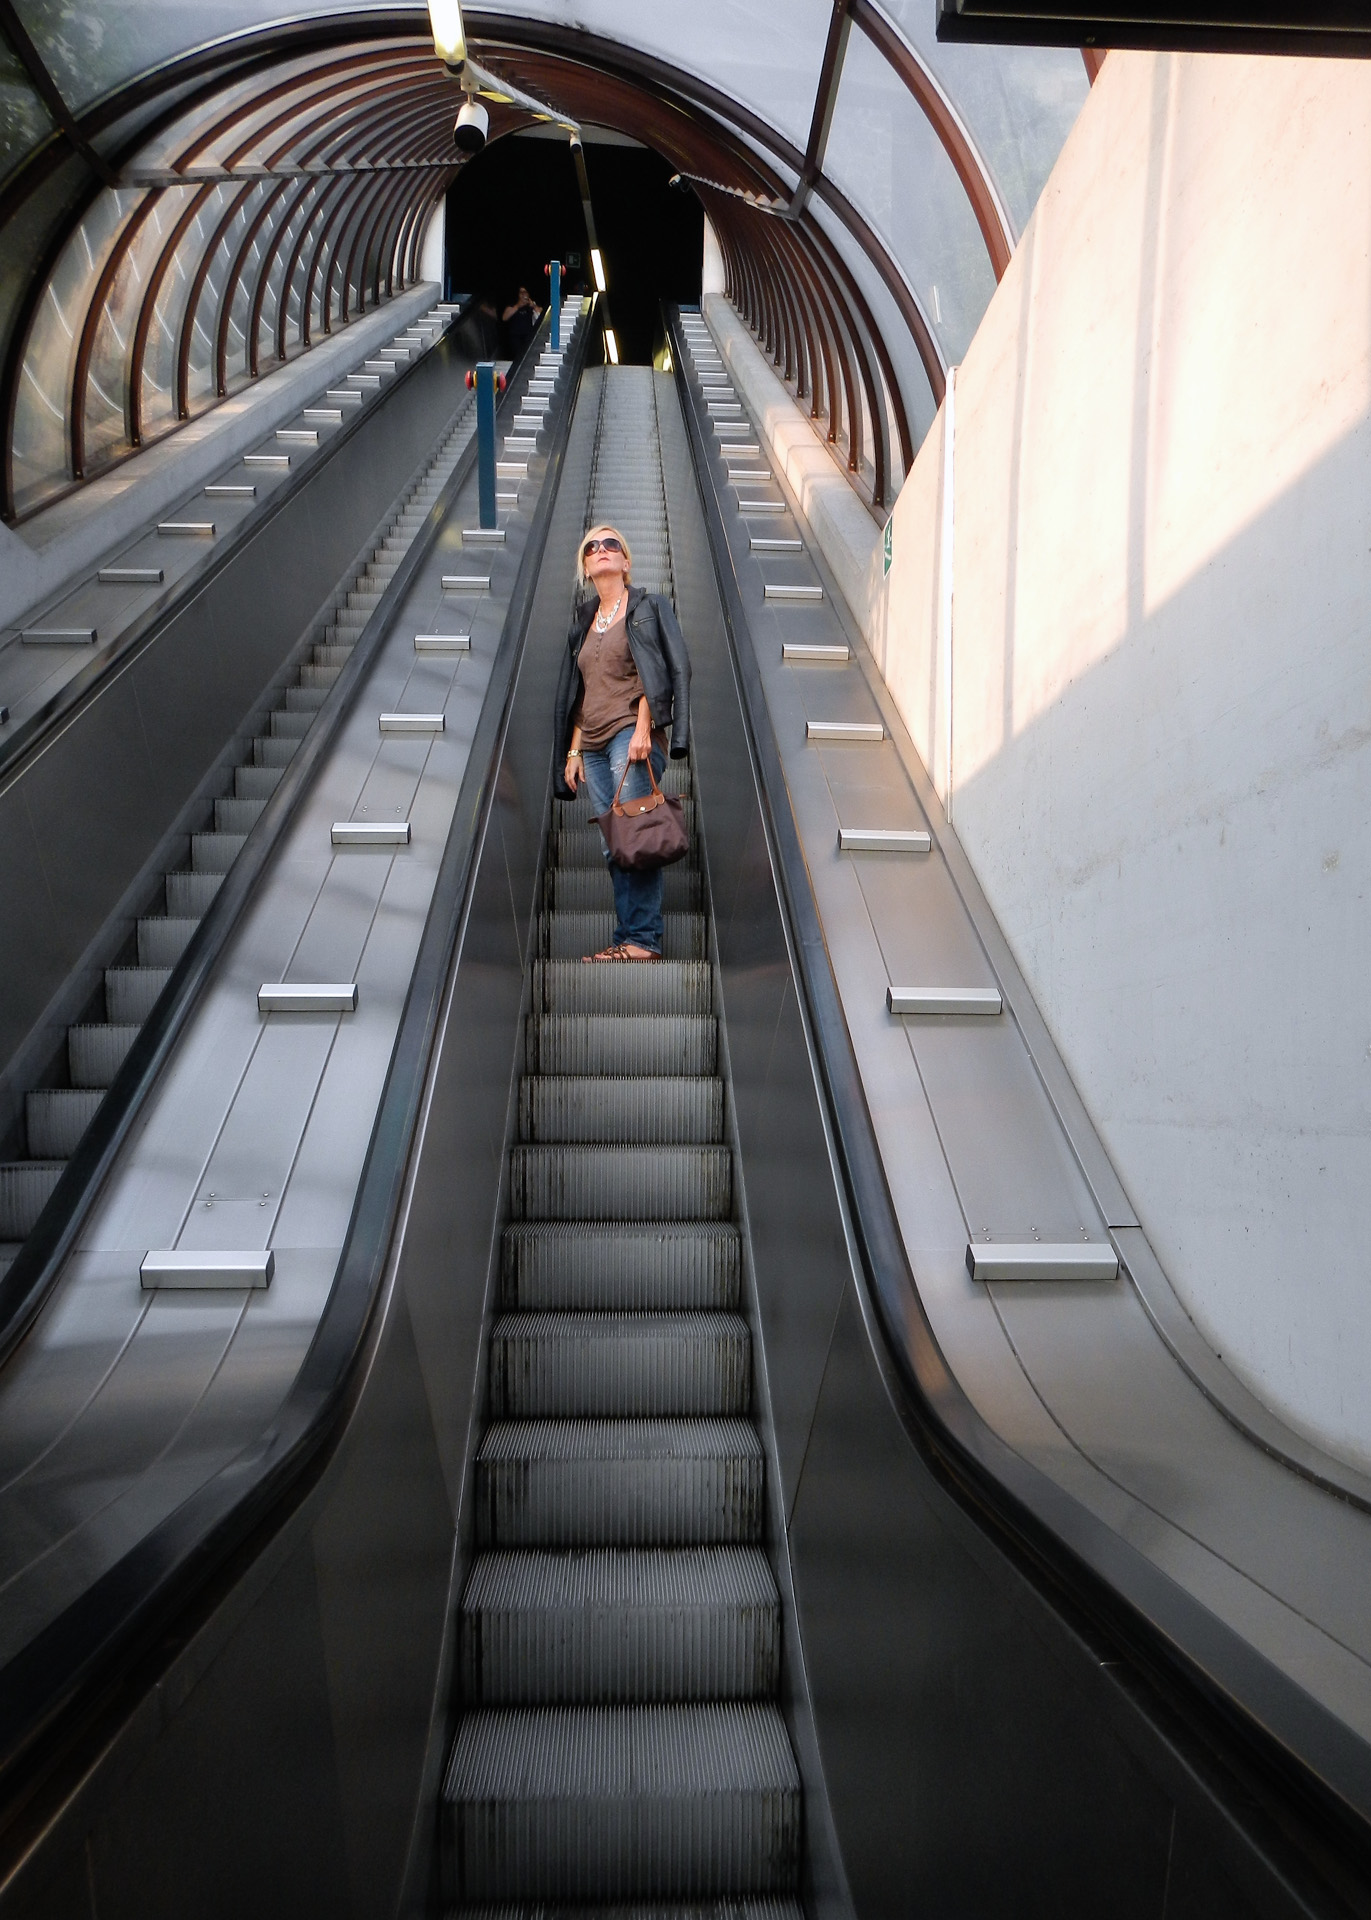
(29, 737)
(78, 1659)
(1090, 1572)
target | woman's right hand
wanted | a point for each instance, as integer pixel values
(572, 771)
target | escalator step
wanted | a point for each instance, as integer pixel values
(96, 1053)
(613, 987)
(631, 1365)
(583, 846)
(257, 783)
(286, 725)
(589, 889)
(619, 1483)
(675, 778)
(759, 1908)
(570, 936)
(609, 1803)
(626, 1043)
(332, 656)
(132, 992)
(304, 699)
(312, 676)
(699, 1623)
(238, 816)
(605, 1264)
(24, 1189)
(672, 1110)
(267, 752)
(56, 1117)
(621, 1183)
(162, 939)
(189, 894)
(215, 852)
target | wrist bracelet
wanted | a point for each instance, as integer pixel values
(574, 753)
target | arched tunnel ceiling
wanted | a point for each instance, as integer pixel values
(182, 214)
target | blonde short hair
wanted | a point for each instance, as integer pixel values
(592, 533)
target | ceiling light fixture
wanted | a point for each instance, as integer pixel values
(449, 35)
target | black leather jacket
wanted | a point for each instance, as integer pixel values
(659, 654)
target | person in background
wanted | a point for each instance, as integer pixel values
(521, 319)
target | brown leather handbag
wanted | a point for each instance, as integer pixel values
(646, 833)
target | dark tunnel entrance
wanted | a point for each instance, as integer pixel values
(517, 205)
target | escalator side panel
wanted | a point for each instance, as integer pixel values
(87, 818)
(308, 1709)
(978, 1754)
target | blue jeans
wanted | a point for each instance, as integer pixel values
(637, 896)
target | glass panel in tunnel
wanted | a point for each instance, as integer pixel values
(271, 297)
(106, 422)
(159, 362)
(24, 120)
(90, 50)
(886, 157)
(1018, 103)
(909, 369)
(200, 388)
(42, 448)
(765, 56)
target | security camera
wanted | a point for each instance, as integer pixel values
(473, 123)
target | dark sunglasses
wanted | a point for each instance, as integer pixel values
(601, 546)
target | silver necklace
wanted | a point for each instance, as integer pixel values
(603, 625)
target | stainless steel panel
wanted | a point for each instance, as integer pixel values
(1040, 1260)
(199, 1270)
(289, 996)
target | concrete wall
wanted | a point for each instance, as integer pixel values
(1161, 678)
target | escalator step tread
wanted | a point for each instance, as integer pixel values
(590, 890)
(238, 816)
(24, 1189)
(96, 1053)
(189, 894)
(556, 1365)
(162, 938)
(587, 1803)
(586, 1483)
(607, 1264)
(637, 1110)
(215, 852)
(621, 1182)
(132, 992)
(744, 1908)
(257, 783)
(644, 1044)
(667, 986)
(582, 845)
(619, 1625)
(570, 936)
(56, 1117)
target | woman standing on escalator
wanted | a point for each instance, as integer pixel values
(624, 691)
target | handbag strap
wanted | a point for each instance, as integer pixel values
(651, 774)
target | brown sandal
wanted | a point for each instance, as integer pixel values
(618, 952)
